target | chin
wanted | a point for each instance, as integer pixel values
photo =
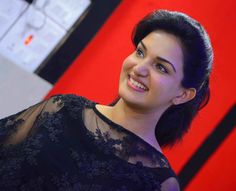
(132, 100)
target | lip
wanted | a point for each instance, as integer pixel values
(137, 80)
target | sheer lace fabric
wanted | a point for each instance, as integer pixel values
(126, 145)
(24, 122)
(64, 143)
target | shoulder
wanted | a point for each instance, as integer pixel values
(72, 103)
(170, 184)
(68, 99)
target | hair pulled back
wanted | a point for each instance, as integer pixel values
(198, 58)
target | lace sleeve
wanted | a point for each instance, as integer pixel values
(15, 128)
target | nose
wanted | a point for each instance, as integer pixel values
(141, 69)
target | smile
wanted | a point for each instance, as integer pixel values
(136, 85)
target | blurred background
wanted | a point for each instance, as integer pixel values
(78, 46)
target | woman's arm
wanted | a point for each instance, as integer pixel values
(15, 128)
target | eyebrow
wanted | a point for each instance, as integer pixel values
(159, 58)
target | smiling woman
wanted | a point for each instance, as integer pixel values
(197, 58)
(157, 65)
(71, 143)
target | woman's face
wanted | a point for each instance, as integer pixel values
(151, 76)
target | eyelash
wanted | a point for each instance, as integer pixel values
(163, 69)
(139, 52)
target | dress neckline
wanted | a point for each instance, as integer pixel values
(113, 124)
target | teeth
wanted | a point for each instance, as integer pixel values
(137, 84)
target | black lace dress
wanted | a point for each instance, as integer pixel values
(65, 143)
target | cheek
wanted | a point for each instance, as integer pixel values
(124, 69)
(163, 86)
(129, 62)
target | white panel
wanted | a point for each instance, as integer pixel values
(30, 33)
(19, 88)
(9, 13)
(31, 39)
(66, 12)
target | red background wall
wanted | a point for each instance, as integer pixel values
(95, 74)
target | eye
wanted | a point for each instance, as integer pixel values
(139, 53)
(161, 68)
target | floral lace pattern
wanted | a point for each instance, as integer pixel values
(63, 144)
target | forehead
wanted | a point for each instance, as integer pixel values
(162, 44)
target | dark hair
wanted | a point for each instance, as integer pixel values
(198, 58)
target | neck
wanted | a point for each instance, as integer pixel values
(139, 121)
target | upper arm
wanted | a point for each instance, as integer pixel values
(170, 184)
(16, 127)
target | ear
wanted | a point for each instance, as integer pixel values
(185, 96)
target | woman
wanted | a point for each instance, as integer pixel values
(70, 143)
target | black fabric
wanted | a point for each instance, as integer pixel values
(65, 143)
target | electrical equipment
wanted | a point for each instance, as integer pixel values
(32, 31)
